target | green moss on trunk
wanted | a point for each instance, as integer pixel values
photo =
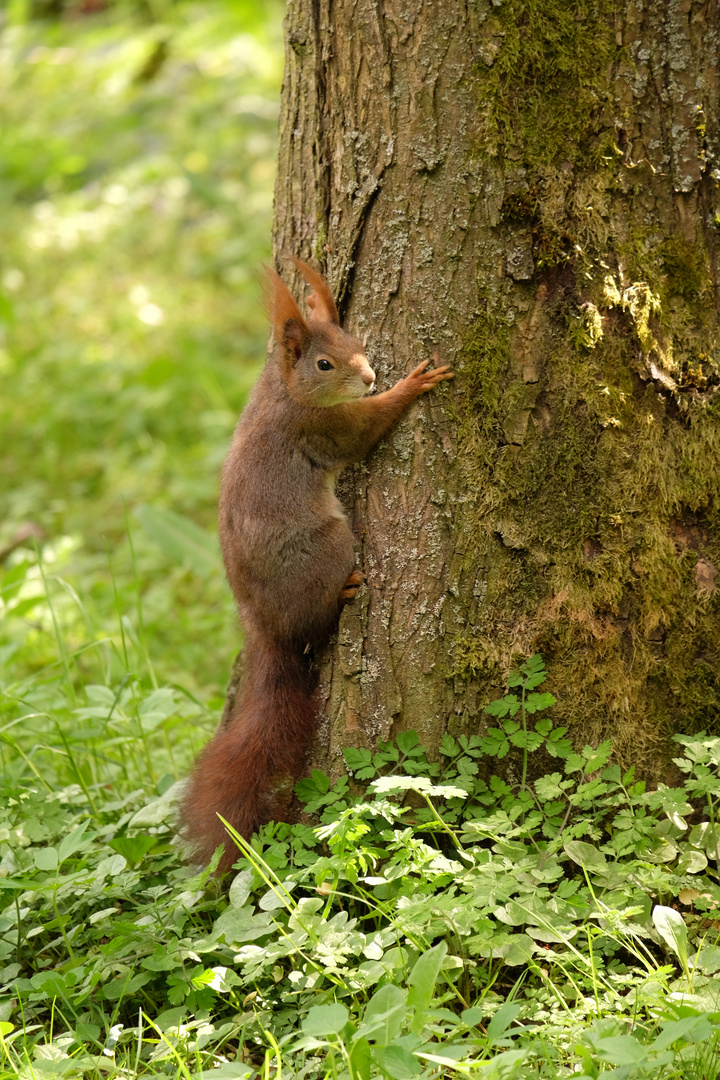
(590, 436)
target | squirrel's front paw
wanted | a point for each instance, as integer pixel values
(422, 380)
(351, 586)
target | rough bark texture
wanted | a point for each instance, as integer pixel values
(529, 186)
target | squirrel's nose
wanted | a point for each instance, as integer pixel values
(368, 376)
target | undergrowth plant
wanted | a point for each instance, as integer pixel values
(439, 917)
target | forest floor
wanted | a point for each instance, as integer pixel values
(439, 921)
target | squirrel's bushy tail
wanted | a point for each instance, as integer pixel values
(264, 742)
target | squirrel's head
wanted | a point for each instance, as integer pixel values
(322, 365)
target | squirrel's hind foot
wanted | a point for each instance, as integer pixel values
(351, 586)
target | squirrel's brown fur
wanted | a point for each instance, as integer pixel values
(288, 551)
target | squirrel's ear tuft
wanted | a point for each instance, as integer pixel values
(321, 303)
(290, 329)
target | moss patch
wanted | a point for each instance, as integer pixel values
(590, 434)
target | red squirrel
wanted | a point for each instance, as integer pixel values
(288, 551)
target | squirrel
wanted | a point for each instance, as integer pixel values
(288, 551)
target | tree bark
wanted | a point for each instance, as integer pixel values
(531, 188)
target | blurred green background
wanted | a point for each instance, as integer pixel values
(136, 183)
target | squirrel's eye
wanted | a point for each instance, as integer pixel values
(324, 365)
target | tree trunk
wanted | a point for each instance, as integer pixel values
(531, 188)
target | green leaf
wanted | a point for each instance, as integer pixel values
(240, 889)
(574, 763)
(323, 1020)
(133, 848)
(407, 741)
(227, 1070)
(597, 757)
(124, 987)
(529, 739)
(73, 841)
(420, 784)
(505, 706)
(689, 1029)
(397, 1062)
(671, 927)
(533, 665)
(448, 746)
(621, 1050)
(495, 744)
(472, 1016)
(707, 959)
(361, 1059)
(312, 786)
(549, 787)
(502, 1019)
(537, 702)
(384, 1015)
(180, 538)
(422, 981)
(517, 950)
(586, 855)
(357, 759)
(46, 858)
(691, 861)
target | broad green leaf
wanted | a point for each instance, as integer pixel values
(133, 848)
(240, 889)
(707, 959)
(707, 837)
(158, 811)
(407, 741)
(361, 1059)
(125, 986)
(359, 758)
(156, 708)
(503, 1018)
(272, 900)
(689, 1029)
(621, 1050)
(220, 979)
(549, 787)
(533, 665)
(104, 913)
(397, 1062)
(46, 858)
(170, 1018)
(691, 861)
(671, 927)
(518, 950)
(312, 786)
(240, 925)
(110, 866)
(422, 981)
(323, 1020)
(586, 855)
(73, 841)
(384, 1014)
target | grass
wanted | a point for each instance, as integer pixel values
(134, 215)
